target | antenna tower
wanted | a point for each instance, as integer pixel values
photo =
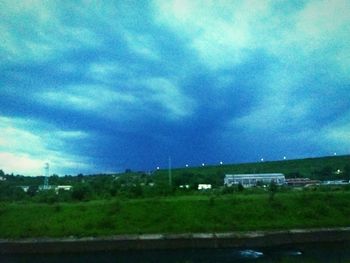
(46, 179)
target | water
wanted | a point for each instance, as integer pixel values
(315, 252)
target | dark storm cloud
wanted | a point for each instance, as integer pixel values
(105, 86)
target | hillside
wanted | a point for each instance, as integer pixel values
(322, 168)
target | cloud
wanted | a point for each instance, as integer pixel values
(24, 149)
(226, 33)
(71, 134)
(107, 102)
(108, 85)
(34, 30)
(89, 98)
(20, 164)
(337, 135)
(142, 44)
(167, 94)
(105, 72)
(221, 32)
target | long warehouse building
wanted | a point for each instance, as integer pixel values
(249, 180)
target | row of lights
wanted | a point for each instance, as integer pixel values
(221, 163)
(203, 164)
(284, 158)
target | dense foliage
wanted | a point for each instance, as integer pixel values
(184, 181)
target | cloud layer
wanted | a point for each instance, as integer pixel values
(93, 86)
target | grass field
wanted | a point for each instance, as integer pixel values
(195, 213)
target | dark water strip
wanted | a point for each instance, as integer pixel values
(174, 241)
(308, 252)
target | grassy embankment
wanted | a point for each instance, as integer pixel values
(196, 213)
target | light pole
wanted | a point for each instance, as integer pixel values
(169, 172)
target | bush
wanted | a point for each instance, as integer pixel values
(227, 190)
(115, 207)
(272, 190)
(47, 196)
(81, 192)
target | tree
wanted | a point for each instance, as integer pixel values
(346, 172)
(326, 172)
(272, 190)
(47, 196)
(32, 190)
(81, 192)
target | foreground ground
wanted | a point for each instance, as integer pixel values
(181, 214)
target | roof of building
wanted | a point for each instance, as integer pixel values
(255, 175)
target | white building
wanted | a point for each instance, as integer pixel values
(248, 180)
(63, 187)
(204, 186)
(24, 188)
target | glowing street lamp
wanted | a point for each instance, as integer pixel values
(186, 165)
(221, 163)
(262, 159)
(203, 164)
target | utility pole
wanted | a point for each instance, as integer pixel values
(46, 176)
(169, 172)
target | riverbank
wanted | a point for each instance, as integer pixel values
(174, 241)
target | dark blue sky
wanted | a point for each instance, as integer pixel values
(101, 86)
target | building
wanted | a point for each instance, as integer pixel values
(249, 180)
(301, 182)
(335, 182)
(63, 187)
(25, 188)
(204, 186)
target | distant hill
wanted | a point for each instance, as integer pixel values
(322, 168)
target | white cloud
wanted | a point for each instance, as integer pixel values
(105, 72)
(72, 134)
(109, 103)
(170, 97)
(20, 164)
(33, 30)
(336, 135)
(92, 98)
(222, 32)
(142, 44)
(226, 33)
(24, 150)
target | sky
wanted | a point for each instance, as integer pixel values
(104, 86)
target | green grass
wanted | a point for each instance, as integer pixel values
(200, 213)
